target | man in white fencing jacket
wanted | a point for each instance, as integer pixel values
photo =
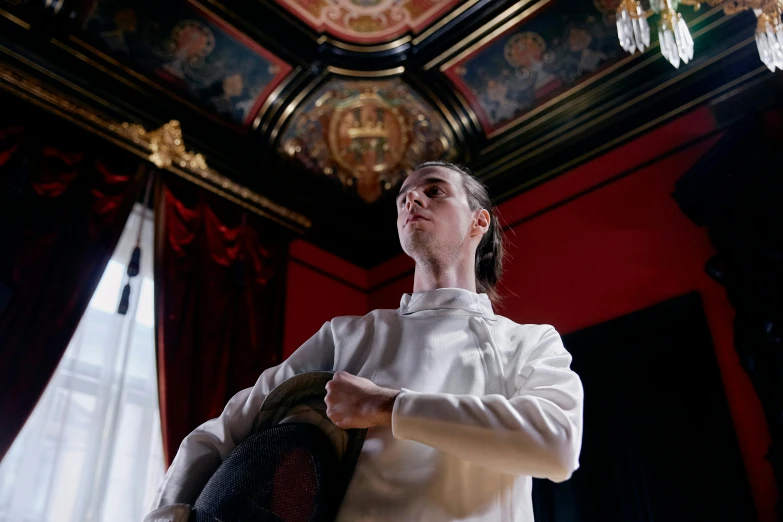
(463, 406)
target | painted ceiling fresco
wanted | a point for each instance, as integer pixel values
(196, 53)
(549, 52)
(368, 21)
(368, 134)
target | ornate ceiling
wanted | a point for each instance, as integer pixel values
(311, 112)
(367, 133)
(368, 21)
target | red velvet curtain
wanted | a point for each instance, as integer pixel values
(219, 297)
(64, 200)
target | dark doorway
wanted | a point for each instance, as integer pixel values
(659, 444)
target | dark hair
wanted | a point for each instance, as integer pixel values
(489, 253)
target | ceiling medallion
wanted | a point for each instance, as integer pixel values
(367, 137)
(368, 21)
(368, 134)
(675, 38)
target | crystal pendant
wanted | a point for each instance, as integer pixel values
(633, 30)
(658, 6)
(769, 37)
(675, 38)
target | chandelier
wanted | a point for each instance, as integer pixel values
(675, 38)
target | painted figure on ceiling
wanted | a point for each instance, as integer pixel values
(192, 51)
(548, 52)
(584, 49)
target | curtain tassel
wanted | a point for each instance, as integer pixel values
(134, 266)
(135, 262)
(122, 309)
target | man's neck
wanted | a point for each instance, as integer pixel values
(433, 275)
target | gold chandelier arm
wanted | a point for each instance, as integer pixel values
(729, 7)
(737, 6)
(630, 7)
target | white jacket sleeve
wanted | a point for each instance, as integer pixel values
(205, 448)
(537, 432)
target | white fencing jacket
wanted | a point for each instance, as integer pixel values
(485, 405)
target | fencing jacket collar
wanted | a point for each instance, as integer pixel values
(456, 299)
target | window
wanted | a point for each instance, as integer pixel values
(92, 450)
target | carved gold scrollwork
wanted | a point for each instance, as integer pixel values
(167, 150)
(165, 146)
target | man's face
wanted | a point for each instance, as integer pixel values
(433, 216)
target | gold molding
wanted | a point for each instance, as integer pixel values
(289, 110)
(469, 109)
(53, 76)
(445, 20)
(272, 98)
(451, 124)
(396, 71)
(596, 116)
(130, 72)
(495, 33)
(18, 21)
(455, 129)
(486, 27)
(160, 146)
(365, 48)
(93, 63)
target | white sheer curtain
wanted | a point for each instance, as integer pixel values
(92, 450)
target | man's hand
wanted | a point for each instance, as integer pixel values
(356, 402)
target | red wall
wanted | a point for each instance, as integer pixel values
(320, 286)
(585, 248)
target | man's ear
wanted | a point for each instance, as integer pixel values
(481, 221)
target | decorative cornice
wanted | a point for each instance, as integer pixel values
(388, 46)
(18, 21)
(444, 21)
(164, 147)
(395, 71)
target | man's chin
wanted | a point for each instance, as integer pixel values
(415, 241)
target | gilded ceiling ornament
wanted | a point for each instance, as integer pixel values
(168, 148)
(368, 134)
